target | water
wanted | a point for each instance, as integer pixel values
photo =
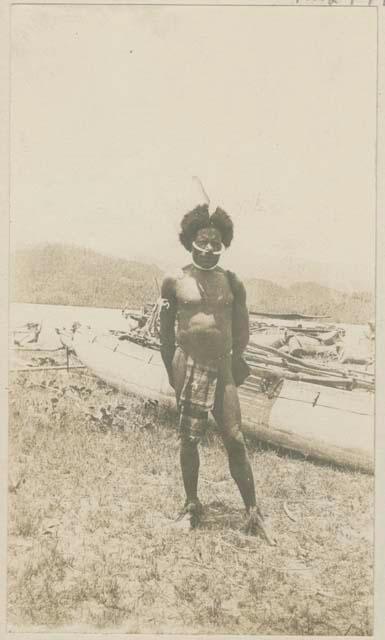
(58, 316)
(101, 319)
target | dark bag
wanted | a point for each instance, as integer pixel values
(239, 367)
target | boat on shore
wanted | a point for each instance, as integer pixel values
(311, 415)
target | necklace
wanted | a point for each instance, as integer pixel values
(203, 268)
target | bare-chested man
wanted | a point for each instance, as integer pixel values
(204, 330)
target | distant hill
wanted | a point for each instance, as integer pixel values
(70, 275)
(310, 298)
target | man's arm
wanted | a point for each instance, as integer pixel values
(240, 317)
(167, 324)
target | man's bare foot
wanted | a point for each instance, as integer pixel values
(192, 512)
(255, 524)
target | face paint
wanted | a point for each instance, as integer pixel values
(207, 248)
(203, 251)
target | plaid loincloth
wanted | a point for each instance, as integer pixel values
(197, 397)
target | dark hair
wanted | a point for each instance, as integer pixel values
(199, 218)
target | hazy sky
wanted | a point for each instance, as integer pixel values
(114, 109)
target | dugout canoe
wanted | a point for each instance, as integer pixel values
(321, 423)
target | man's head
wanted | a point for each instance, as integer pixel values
(205, 236)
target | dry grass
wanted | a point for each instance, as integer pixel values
(93, 492)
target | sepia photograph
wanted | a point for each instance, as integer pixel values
(192, 320)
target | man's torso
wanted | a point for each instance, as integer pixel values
(204, 312)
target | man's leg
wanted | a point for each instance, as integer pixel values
(227, 414)
(189, 462)
(240, 467)
(189, 455)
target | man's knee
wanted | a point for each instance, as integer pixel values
(234, 441)
(189, 441)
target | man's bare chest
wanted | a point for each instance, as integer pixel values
(204, 290)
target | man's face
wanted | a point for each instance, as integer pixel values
(207, 247)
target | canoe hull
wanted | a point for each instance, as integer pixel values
(126, 365)
(318, 432)
(345, 419)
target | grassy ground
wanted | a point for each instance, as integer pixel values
(94, 488)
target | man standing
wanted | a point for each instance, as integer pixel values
(204, 329)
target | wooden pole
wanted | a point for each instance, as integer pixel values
(36, 349)
(54, 368)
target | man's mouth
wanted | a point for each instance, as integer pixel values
(207, 258)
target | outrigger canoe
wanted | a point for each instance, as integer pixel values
(320, 422)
